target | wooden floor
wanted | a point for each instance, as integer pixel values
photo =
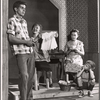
(43, 92)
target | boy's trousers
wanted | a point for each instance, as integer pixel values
(88, 84)
(26, 66)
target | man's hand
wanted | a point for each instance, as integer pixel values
(29, 43)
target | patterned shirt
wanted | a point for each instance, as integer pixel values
(18, 28)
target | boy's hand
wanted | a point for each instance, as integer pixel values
(83, 68)
(90, 69)
(93, 80)
(86, 68)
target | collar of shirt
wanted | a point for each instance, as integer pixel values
(19, 19)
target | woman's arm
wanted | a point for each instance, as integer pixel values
(81, 50)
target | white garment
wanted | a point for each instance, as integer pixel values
(49, 41)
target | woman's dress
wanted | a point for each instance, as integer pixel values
(74, 61)
(40, 61)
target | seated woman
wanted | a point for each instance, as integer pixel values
(40, 61)
(74, 50)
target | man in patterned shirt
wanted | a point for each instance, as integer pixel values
(21, 45)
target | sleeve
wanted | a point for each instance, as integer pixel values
(81, 45)
(92, 76)
(11, 27)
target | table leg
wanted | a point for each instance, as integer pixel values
(36, 81)
(62, 69)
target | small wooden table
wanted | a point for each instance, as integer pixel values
(59, 57)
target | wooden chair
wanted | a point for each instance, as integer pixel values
(36, 84)
(36, 81)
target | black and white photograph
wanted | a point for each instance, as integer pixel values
(49, 49)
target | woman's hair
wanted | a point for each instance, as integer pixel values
(17, 4)
(36, 24)
(73, 30)
(33, 28)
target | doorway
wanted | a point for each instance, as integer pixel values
(60, 5)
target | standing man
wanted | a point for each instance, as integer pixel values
(21, 44)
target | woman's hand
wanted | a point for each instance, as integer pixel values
(67, 52)
(76, 50)
(79, 51)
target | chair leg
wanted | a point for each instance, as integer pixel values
(47, 83)
(67, 78)
(36, 81)
(50, 77)
(39, 73)
(47, 76)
